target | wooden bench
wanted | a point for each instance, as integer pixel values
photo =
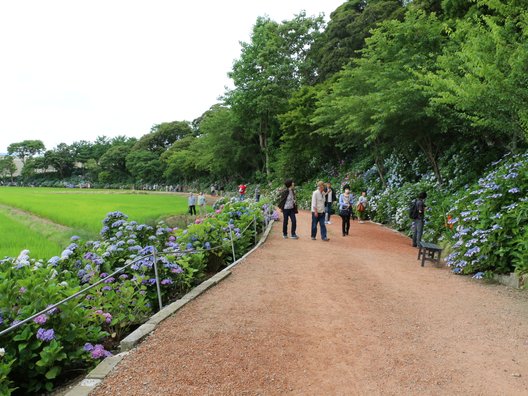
(428, 251)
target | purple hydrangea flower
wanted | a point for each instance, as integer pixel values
(99, 352)
(108, 317)
(88, 347)
(52, 311)
(54, 260)
(166, 282)
(106, 288)
(45, 335)
(66, 254)
(41, 319)
(176, 270)
(22, 290)
(75, 238)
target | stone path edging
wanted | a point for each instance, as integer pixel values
(104, 368)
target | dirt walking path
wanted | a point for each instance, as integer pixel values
(353, 316)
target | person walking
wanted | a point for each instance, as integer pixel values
(201, 204)
(288, 206)
(192, 204)
(418, 218)
(330, 198)
(242, 191)
(345, 209)
(257, 193)
(362, 207)
(318, 212)
(213, 189)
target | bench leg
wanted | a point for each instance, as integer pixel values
(423, 257)
(438, 259)
(419, 252)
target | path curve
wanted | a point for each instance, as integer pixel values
(356, 315)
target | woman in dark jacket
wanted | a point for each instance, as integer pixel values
(288, 206)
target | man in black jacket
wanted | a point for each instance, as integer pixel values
(418, 222)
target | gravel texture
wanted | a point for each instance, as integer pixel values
(356, 315)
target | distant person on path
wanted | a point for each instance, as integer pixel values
(330, 198)
(288, 206)
(345, 209)
(362, 207)
(318, 211)
(213, 189)
(242, 191)
(192, 204)
(201, 204)
(257, 193)
(418, 218)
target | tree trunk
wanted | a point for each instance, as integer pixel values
(431, 153)
(378, 160)
(263, 141)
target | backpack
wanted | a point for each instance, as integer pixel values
(413, 210)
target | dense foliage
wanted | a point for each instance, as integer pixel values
(412, 78)
(82, 331)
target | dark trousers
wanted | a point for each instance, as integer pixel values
(321, 220)
(289, 214)
(345, 225)
(417, 231)
(192, 210)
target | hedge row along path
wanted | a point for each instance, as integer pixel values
(356, 315)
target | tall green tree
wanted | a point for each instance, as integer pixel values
(379, 98)
(26, 149)
(480, 86)
(271, 67)
(223, 149)
(350, 24)
(163, 135)
(61, 158)
(7, 167)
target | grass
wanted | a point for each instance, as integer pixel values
(17, 236)
(82, 211)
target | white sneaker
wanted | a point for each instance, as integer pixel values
(329, 222)
(361, 222)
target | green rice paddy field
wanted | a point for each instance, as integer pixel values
(43, 219)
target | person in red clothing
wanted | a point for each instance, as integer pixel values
(242, 191)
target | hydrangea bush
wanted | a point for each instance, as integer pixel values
(490, 221)
(36, 355)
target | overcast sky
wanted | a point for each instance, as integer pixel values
(73, 70)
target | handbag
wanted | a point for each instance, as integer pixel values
(295, 210)
(360, 207)
(344, 212)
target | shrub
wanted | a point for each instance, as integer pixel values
(81, 331)
(490, 220)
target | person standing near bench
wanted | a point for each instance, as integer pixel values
(418, 218)
(318, 211)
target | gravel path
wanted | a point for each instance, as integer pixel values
(356, 315)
